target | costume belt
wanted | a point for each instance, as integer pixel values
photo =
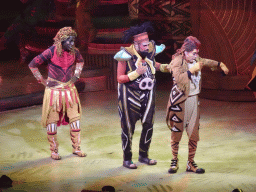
(62, 91)
(60, 85)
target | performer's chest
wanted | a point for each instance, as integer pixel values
(132, 65)
(64, 62)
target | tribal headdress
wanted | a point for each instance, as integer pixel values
(138, 32)
(61, 36)
(190, 43)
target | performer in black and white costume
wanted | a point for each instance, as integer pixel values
(136, 91)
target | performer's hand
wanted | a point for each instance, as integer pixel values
(74, 79)
(163, 68)
(52, 83)
(141, 69)
(197, 67)
(224, 68)
(44, 82)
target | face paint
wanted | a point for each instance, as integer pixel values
(192, 55)
(69, 43)
(143, 48)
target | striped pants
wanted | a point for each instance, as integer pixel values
(134, 105)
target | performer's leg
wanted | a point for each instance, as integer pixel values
(52, 138)
(147, 119)
(175, 141)
(175, 149)
(75, 138)
(191, 165)
(192, 145)
(51, 125)
(176, 135)
(126, 136)
(145, 140)
(129, 114)
(193, 115)
(75, 131)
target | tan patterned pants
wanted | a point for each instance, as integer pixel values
(187, 118)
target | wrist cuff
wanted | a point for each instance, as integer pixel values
(163, 68)
(133, 75)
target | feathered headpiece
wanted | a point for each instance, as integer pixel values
(61, 36)
(135, 32)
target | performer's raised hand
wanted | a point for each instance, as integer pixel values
(224, 68)
(141, 69)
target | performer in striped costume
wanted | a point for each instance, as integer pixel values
(136, 91)
(61, 104)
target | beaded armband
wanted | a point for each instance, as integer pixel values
(36, 74)
(79, 68)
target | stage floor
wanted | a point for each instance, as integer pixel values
(226, 150)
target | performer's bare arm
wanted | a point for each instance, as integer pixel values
(162, 67)
(214, 64)
(36, 62)
(121, 76)
(78, 71)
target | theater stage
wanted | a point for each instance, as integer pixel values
(226, 150)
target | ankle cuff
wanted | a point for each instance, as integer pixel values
(51, 133)
(75, 130)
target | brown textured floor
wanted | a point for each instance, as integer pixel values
(227, 148)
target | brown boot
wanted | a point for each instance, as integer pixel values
(54, 146)
(174, 166)
(75, 138)
(192, 167)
